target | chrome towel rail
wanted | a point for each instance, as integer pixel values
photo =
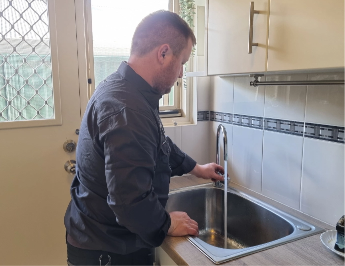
(256, 82)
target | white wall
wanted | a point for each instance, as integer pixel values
(193, 139)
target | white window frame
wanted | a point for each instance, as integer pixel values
(184, 99)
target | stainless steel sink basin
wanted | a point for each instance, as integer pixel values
(251, 224)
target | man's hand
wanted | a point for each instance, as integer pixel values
(208, 171)
(182, 225)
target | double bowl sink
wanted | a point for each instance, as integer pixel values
(252, 225)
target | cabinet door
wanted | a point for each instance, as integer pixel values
(162, 258)
(306, 34)
(228, 31)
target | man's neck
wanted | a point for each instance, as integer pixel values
(144, 67)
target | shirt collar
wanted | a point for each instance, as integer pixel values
(149, 93)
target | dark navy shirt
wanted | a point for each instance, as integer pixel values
(124, 165)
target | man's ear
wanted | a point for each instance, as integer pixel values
(162, 52)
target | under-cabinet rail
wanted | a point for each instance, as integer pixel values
(256, 82)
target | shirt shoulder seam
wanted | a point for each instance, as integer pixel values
(121, 110)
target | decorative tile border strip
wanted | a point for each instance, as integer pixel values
(221, 117)
(203, 115)
(284, 126)
(248, 121)
(310, 130)
(325, 132)
(236, 119)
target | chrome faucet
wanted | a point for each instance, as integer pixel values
(218, 183)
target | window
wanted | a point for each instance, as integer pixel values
(110, 48)
(26, 87)
(110, 25)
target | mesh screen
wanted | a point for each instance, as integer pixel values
(26, 84)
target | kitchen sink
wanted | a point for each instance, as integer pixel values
(252, 225)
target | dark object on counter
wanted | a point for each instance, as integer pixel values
(339, 245)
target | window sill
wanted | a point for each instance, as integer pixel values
(177, 121)
(170, 113)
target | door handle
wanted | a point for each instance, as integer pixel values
(70, 166)
(251, 30)
(69, 146)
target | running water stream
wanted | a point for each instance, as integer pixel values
(225, 204)
(222, 129)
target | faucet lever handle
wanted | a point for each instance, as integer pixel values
(218, 183)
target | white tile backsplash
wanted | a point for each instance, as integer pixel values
(303, 173)
(325, 103)
(248, 100)
(203, 85)
(285, 102)
(193, 140)
(175, 134)
(323, 180)
(246, 157)
(195, 143)
(282, 167)
(222, 94)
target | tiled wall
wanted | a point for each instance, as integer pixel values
(285, 142)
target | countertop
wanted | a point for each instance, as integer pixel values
(306, 251)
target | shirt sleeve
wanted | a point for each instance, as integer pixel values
(130, 142)
(180, 162)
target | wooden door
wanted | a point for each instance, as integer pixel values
(34, 187)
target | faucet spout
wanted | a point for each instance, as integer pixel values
(221, 129)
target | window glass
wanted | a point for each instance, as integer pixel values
(26, 85)
(113, 25)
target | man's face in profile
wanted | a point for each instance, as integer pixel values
(172, 70)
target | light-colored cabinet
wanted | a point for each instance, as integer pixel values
(291, 35)
(306, 34)
(228, 36)
(162, 258)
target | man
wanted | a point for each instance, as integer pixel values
(124, 159)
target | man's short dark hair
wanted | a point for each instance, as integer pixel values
(159, 28)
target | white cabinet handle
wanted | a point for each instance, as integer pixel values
(251, 17)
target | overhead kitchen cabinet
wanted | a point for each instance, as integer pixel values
(291, 35)
(306, 34)
(228, 36)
